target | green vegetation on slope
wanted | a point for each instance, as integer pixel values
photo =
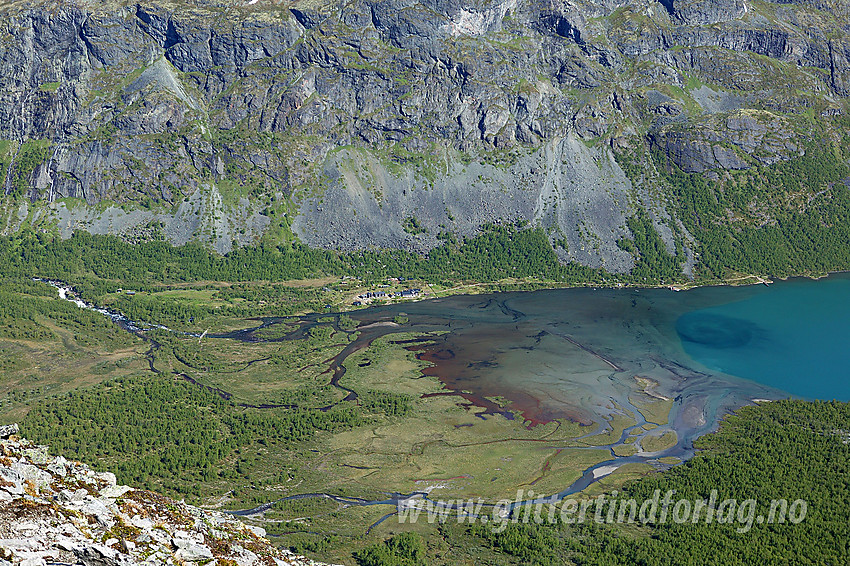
(789, 218)
(782, 450)
(30, 155)
(157, 432)
(28, 308)
(405, 549)
(653, 261)
(497, 253)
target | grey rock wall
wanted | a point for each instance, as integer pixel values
(482, 111)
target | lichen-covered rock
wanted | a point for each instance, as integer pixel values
(79, 516)
(8, 430)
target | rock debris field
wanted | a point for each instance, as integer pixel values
(55, 511)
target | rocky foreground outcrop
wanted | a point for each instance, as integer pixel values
(55, 511)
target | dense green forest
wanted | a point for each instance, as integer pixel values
(156, 432)
(25, 303)
(405, 549)
(101, 264)
(781, 450)
(790, 218)
(652, 260)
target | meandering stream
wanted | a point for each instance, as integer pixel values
(579, 354)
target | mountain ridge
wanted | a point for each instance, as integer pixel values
(339, 123)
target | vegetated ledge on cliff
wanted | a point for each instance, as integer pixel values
(55, 511)
(232, 122)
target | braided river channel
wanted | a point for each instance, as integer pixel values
(580, 354)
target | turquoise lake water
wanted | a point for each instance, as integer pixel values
(590, 355)
(793, 336)
(587, 354)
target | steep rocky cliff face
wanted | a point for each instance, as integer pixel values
(232, 122)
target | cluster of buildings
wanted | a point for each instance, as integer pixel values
(378, 295)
